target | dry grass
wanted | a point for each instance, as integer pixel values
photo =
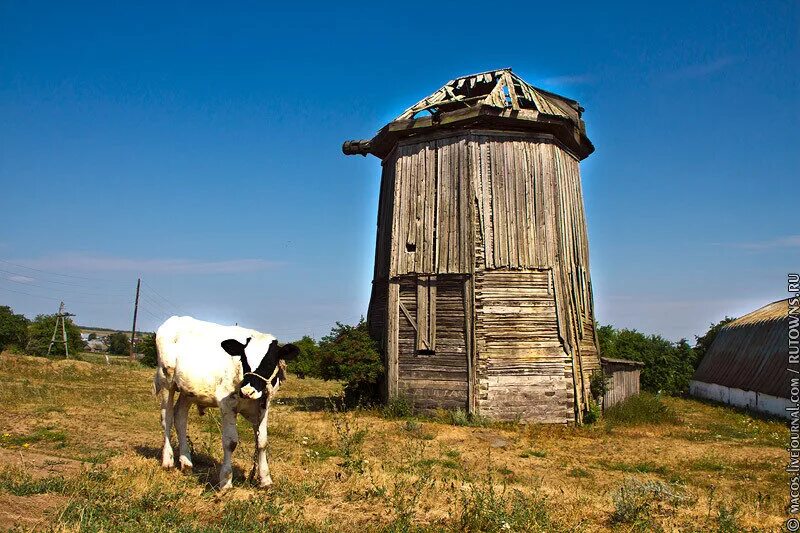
(79, 446)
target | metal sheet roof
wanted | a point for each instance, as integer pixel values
(751, 353)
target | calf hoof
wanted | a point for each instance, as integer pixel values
(186, 464)
(265, 483)
(167, 461)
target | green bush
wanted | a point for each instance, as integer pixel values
(702, 344)
(668, 367)
(13, 329)
(599, 385)
(593, 413)
(398, 407)
(307, 363)
(119, 343)
(349, 354)
(40, 331)
(147, 347)
(644, 408)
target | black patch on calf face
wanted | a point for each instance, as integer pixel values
(236, 349)
(268, 364)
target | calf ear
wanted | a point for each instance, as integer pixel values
(288, 352)
(234, 347)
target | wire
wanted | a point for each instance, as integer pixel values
(29, 294)
(148, 299)
(82, 293)
(55, 273)
(160, 319)
(83, 286)
(163, 298)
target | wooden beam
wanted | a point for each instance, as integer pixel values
(393, 332)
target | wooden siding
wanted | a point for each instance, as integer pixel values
(523, 369)
(431, 209)
(479, 204)
(437, 376)
(624, 383)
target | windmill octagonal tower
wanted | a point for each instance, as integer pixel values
(481, 297)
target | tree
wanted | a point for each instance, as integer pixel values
(307, 363)
(348, 353)
(40, 331)
(119, 344)
(668, 366)
(13, 329)
(703, 344)
(147, 347)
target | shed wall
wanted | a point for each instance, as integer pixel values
(624, 384)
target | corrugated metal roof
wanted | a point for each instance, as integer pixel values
(751, 353)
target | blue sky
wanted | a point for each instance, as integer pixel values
(200, 149)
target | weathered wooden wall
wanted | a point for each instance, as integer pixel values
(523, 370)
(504, 212)
(623, 383)
(432, 347)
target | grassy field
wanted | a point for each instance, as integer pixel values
(79, 449)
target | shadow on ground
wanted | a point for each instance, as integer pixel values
(308, 403)
(206, 468)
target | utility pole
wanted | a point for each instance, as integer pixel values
(135, 312)
(61, 317)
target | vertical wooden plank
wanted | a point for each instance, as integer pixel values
(430, 207)
(422, 314)
(468, 333)
(441, 206)
(431, 318)
(394, 265)
(393, 321)
(465, 209)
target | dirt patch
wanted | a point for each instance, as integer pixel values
(28, 511)
(39, 465)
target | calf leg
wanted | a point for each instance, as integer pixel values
(262, 466)
(181, 427)
(230, 439)
(167, 406)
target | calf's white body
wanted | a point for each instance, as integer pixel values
(192, 362)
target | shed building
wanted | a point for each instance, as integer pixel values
(623, 379)
(747, 364)
(481, 297)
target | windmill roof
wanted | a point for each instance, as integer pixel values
(498, 99)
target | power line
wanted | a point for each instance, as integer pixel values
(158, 318)
(29, 294)
(146, 297)
(175, 306)
(83, 293)
(46, 280)
(55, 273)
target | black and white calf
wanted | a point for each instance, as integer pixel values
(236, 369)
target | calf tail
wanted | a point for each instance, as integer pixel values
(157, 382)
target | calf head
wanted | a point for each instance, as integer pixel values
(255, 380)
